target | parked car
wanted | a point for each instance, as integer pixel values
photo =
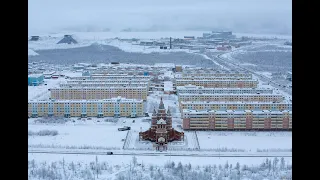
(109, 153)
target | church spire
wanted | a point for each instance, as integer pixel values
(168, 112)
(161, 105)
(154, 112)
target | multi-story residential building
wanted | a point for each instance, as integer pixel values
(126, 77)
(235, 105)
(231, 97)
(216, 73)
(218, 83)
(215, 77)
(192, 89)
(237, 120)
(107, 84)
(99, 93)
(115, 107)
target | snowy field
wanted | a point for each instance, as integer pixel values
(79, 133)
(264, 57)
(50, 166)
(161, 160)
(249, 141)
(41, 92)
(97, 53)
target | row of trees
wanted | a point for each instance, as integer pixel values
(272, 169)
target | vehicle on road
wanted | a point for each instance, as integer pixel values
(109, 153)
(125, 128)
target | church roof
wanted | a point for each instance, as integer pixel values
(161, 121)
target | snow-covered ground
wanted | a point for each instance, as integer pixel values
(160, 160)
(267, 74)
(89, 133)
(41, 92)
(249, 141)
(32, 53)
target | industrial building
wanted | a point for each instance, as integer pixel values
(114, 107)
(67, 39)
(99, 93)
(237, 120)
(35, 79)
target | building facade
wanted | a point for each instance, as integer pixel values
(35, 79)
(232, 97)
(216, 73)
(218, 83)
(115, 107)
(192, 89)
(237, 120)
(99, 93)
(235, 105)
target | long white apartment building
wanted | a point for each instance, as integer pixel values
(99, 93)
(235, 105)
(192, 89)
(216, 73)
(115, 107)
(110, 77)
(218, 83)
(231, 97)
(107, 84)
(237, 120)
(216, 77)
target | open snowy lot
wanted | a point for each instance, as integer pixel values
(97, 53)
(248, 141)
(78, 134)
(41, 92)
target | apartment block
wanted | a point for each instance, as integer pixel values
(216, 74)
(88, 93)
(218, 83)
(237, 120)
(231, 97)
(114, 107)
(192, 89)
(99, 77)
(235, 105)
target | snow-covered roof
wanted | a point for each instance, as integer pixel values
(161, 121)
(35, 75)
(285, 102)
(192, 111)
(228, 94)
(98, 88)
(168, 86)
(118, 99)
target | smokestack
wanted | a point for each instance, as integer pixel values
(170, 43)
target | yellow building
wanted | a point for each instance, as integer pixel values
(218, 83)
(231, 97)
(116, 107)
(87, 93)
(237, 120)
(235, 105)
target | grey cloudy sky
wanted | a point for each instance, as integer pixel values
(252, 16)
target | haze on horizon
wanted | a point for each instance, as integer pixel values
(245, 16)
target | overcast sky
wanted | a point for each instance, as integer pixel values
(245, 16)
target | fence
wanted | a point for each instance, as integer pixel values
(71, 147)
